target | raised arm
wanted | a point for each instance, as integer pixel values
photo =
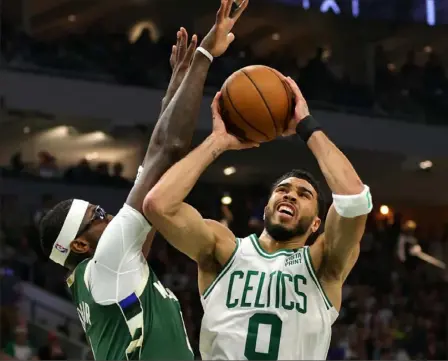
(180, 223)
(170, 139)
(172, 136)
(352, 201)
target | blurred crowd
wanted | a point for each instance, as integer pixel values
(393, 303)
(410, 91)
(47, 167)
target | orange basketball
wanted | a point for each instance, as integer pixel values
(256, 103)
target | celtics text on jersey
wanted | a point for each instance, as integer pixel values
(266, 307)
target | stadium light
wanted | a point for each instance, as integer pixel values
(226, 200)
(229, 171)
(384, 210)
(426, 164)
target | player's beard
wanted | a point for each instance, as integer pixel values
(282, 234)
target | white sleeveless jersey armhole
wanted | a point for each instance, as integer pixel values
(266, 306)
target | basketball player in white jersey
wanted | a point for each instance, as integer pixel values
(269, 297)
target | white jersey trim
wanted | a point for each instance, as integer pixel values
(263, 253)
(312, 272)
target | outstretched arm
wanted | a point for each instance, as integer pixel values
(347, 216)
(129, 233)
(167, 143)
(342, 233)
(172, 136)
(180, 223)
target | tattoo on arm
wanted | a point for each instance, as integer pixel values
(216, 153)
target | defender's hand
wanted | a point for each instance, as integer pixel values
(227, 140)
(220, 36)
(301, 110)
(181, 55)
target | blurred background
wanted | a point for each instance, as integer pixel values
(81, 82)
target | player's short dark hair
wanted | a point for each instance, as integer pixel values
(303, 174)
(51, 224)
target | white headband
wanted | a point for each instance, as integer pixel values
(61, 247)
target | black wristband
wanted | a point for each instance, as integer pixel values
(306, 127)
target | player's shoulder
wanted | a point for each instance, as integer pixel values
(128, 211)
(221, 231)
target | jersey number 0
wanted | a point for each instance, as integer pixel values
(252, 336)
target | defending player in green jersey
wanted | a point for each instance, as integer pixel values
(124, 309)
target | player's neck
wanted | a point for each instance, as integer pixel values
(270, 245)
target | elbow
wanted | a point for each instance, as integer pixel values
(172, 149)
(154, 205)
(176, 148)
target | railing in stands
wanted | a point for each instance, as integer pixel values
(74, 350)
(43, 318)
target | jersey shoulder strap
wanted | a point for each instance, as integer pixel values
(315, 277)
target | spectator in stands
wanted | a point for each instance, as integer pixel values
(25, 259)
(435, 80)
(52, 350)
(19, 347)
(411, 74)
(16, 163)
(315, 77)
(102, 175)
(47, 167)
(117, 176)
(80, 173)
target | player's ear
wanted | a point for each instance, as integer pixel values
(315, 225)
(79, 245)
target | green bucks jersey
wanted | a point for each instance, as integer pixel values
(266, 307)
(147, 325)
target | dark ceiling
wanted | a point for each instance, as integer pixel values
(297, 31)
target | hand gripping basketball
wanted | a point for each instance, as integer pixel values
(220, 36)
(301, 110)
(228, 141)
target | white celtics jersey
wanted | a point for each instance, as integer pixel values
(266, 307)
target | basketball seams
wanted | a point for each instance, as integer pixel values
(227, 91)
(288, 113)
(264, 100)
